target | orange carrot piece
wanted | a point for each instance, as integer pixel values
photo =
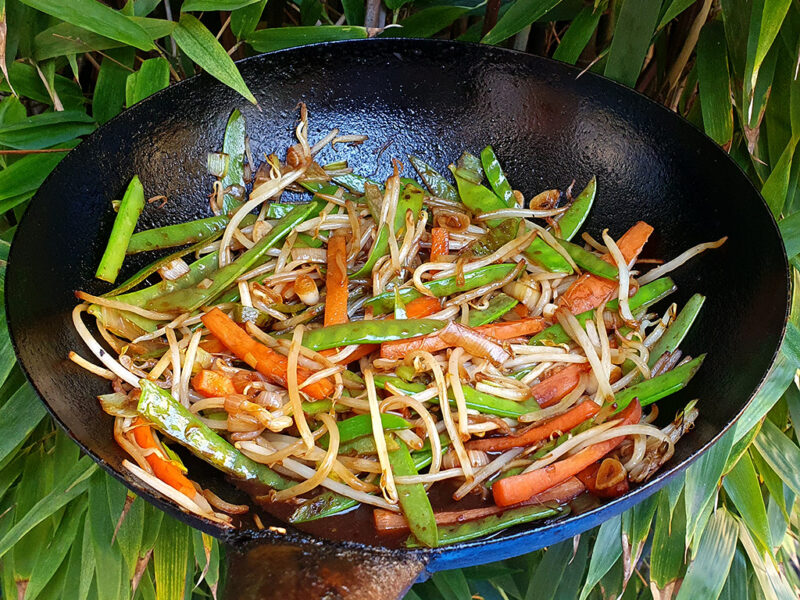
(555, 426)
(212, 345)
(391, 522)
(590, 291)
(433, 343)
(212, 384)
(589, 478)
(164, 469)
(519, 488)
(521, 310)
(558, 385)
(359, 353)
(422, 307)
(440, 243)
(266, 361)
(336, 281)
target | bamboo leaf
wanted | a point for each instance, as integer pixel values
(736, 584)
(545, 581)
(152, 77)
(109, 91)
(451, 584)
(203, 5)
(27, 83)
(96, 17)
(790, 232)
(713, 76)
(772, 14)
(354, 11)
(202, 47)
(607, 550)
(635, 531)
(427, 22)
(702, 479)
(772, 480)
(170, 559)
(578, 35)
(278, 38)
(777, 184)
(86, 562)
(666, 558)
(741, 485)
(780, 453)
(521, 14)
(245, 20)
(46, 130)
(570, 585)
(706, 574)
(773, 583)
(110, 573)
(634, 30)
(672, 10)
(18, 417)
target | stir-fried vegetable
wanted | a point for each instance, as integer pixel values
(386, 347)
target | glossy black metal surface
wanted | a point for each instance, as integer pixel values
(433, 99)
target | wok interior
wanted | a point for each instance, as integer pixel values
(433, 100)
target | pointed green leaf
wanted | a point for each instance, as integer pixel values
(578, 35)
(451, 584)
(203, 5)
(245, 20)
(109, 564)
(777, 184)
(202, 47)
(86, 561)
(634, 30)
(741, 485)
(780, 453)
(96, 17)
(354, 11)
(773, 583)
(18, 417)
(46, 130)
(26, 175)
(427, 22)
(666, 557)
(109, 90)
(26, 82)
(706, 574)
(278, 38)
(673, 9)
(520, 14)
(772, 15)
(545, 581)
(152, 77)
(607, 550)
(171, 558)
(715, 91)
(636, 527)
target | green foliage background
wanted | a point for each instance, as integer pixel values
(728, 529)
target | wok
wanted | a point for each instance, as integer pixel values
(548, 124)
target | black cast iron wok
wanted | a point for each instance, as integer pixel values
(434, 99)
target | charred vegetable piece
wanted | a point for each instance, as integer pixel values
(495, 176)
(589, 262)
(433, 180)
(355, 427)
(660, 386)
(190, 299)
(384, 303)
(498, 306)
(368, 332)
(248, 314)
(413, 499)
(171, 418)
(234, 146)
(471, 165)
(495, 238)
(181, 234)
(648, 294)
(453, 534)
(124, 223)
(674, 335)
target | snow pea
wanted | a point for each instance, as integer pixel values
(384, 303)
(588, 261)
(355, 427)
(496, 237)
(124, 223)
(569, 224)
(410, 199)
(453, 534)
(234, 146)
(495, 176)
(171, 418)
(471, 164)
(368, 332)
(658, 387)
(498, 306)
(181, 234)
(304, 240)
(189, 299)
(477, 198)
(433, 180)
(648, 294)
(674, 335)
(278, 210)
(355, 183)
(413, 499)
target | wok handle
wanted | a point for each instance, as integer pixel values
(263, 571)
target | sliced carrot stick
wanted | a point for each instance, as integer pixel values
(440, 243)
(266, 361)
(212, 345)
(558, 385)
(521, 310)
(555, 426)
(589, 478)
(391, 522)
(212, 384)
(433, 343)
(519, 488)
(164, 469)
(590, 291)
(336, 281)
(422, 307)
(359, 353)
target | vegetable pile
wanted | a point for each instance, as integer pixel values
(385, 340)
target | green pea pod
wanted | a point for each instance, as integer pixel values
(278, 210)
(477, 198)
(181, 234)
(495, 238)
(124, 223)
(453, 534)
(306, 241)
(652, 390)
(410, 199)
(355, 427)
(496, 177)
(175, 421)
(589, 262)
(569, 224)
(355, 183)
(648, 294)
(498, 306)
(674, 335)
(433, 180)
(470, 163)
(190, 299)
(368, 332)
(234, 146)
(384, 303)
(413, 499)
